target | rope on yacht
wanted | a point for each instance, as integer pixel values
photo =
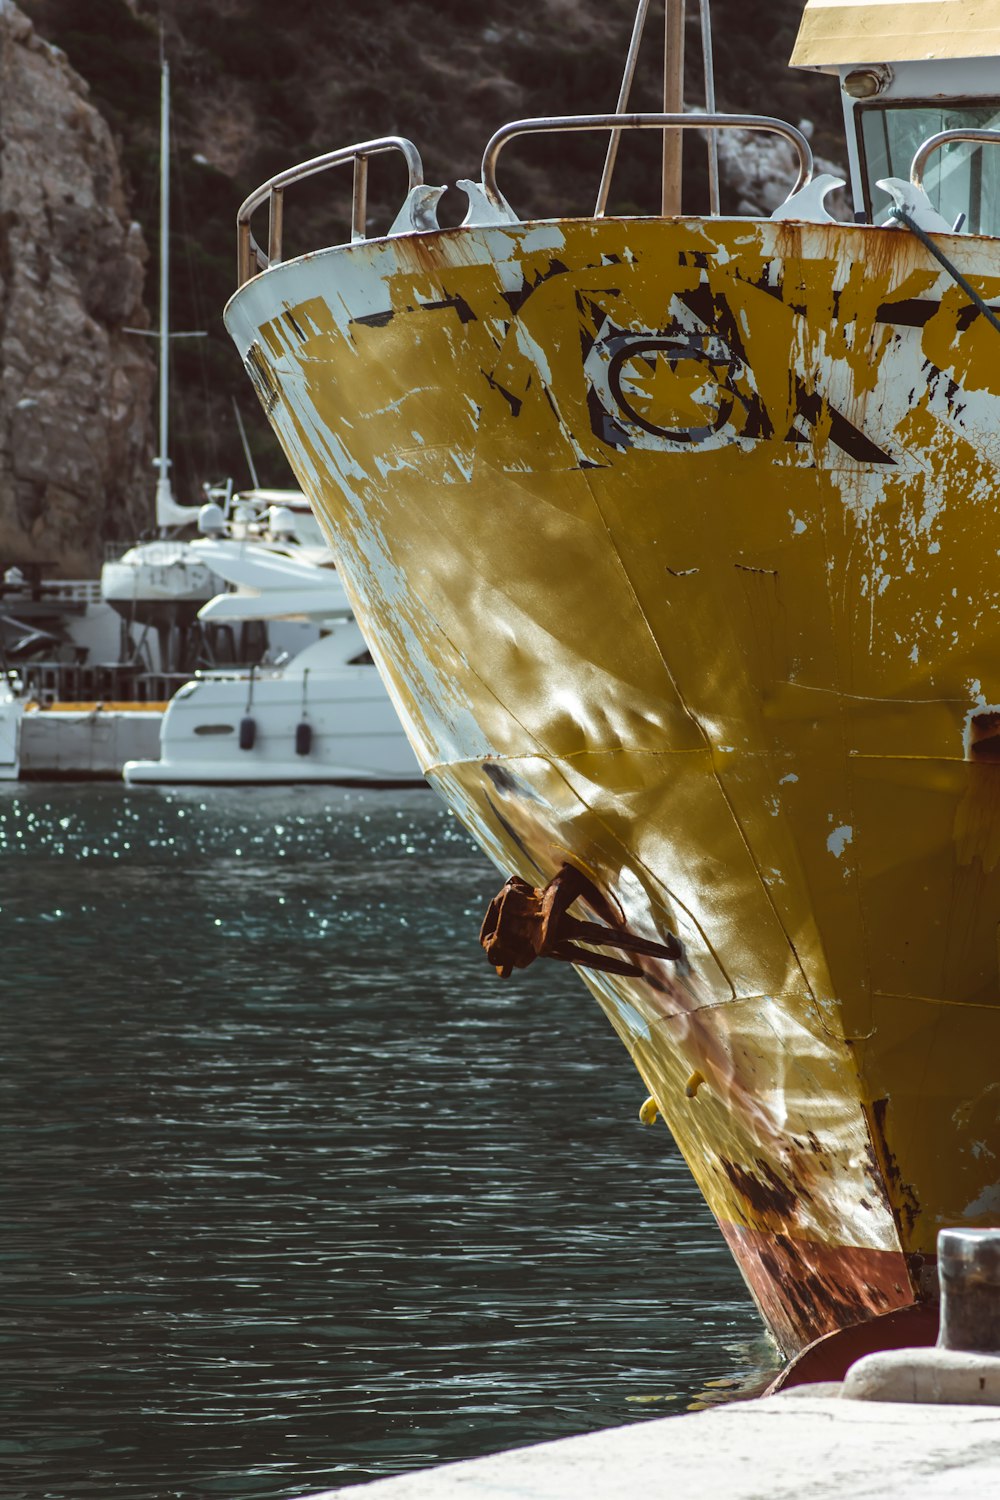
(921, 234)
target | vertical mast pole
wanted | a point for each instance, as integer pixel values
(713, 140)
(164, 489)
(673, 104)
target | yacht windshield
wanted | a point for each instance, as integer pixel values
(961, 178)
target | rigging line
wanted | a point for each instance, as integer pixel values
(977, 301)
(623, 97)
(713, 141)
(247, 454)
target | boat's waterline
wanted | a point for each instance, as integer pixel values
(676, 543)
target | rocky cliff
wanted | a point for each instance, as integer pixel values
(75, 389)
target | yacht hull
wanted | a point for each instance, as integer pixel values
(676, 544)
(354, 737)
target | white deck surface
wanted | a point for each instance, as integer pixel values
(798, 1446)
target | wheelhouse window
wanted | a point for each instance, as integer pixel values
(960, 179)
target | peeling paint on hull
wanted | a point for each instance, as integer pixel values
(677, 544)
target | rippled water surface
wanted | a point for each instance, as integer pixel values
(296, 1192)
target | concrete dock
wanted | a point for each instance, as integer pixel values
(805, 1444)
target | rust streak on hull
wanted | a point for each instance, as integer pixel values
(806, 1290)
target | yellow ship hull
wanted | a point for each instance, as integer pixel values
(677, 544)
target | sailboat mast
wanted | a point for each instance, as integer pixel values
(164, 489)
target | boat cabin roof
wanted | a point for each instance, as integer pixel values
(842, 33)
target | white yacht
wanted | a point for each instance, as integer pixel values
(161, 584)
(320, 715)
(10, 731)
(87, 679)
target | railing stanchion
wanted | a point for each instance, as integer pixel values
(359, 204)
(244, 254)
(275, 225)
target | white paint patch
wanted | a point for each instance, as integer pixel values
(393, 465)
(464, 463)
(533, 353)
(839, 839)
(786, 779)
(545, 237)
(988, 1201)
(382, 411)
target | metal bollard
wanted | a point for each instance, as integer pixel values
(963, 1368)
(969, 1276)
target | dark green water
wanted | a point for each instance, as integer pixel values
(296, 1192)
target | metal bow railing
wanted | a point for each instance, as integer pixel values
(943, 138)
(251, 258)
(617, 123)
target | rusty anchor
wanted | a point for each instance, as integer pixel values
(522, 924)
